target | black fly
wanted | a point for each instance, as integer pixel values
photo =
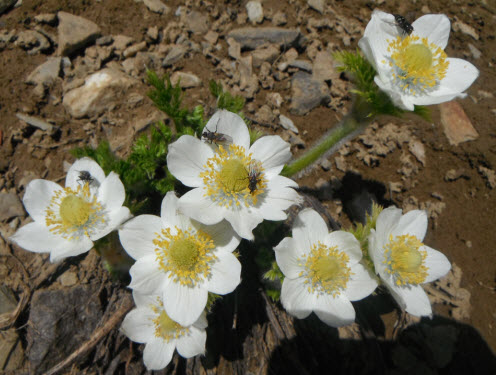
(215, 137)
(253, 175)
(403, 24)
(85, 177)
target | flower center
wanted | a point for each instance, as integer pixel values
(418, 66)
(230, 179)
(405, 260)
(74, 213)
(165, 327)
(325, 269)
(187, 255)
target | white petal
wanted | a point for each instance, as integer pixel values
(413, 223)
(386, 223)
(72, 179)
(336, 312)
(111, 192)
(226, 274)
(224, 237)
(287, 258)
(184, 304)
(146, 300)
(138, 325)
(170, 214)
(146, 276)
(376, 252)
(231, 124)
(72, 249)
(158, 353)
(361, 284)
(346, 242)
(397, 97)
(37, 198)
(437, 263)
(434, 27)
(137, 235)
(276, 201)
(192, 344)
(308, 229)
(296, 299)
(379, 30)
(202, 322)
(115, 219)
(200, 208)
(411, 298)
(243, 221)
(186, 159)
(272, 151)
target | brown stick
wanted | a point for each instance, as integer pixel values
(127, 304)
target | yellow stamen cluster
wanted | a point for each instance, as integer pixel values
(405, 261)
(165, 327)
(230, 178)
(187, 255)
(326, 270)
(418, 66)
(74, 213)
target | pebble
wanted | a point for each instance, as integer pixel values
(36, 122)
(175, 54)
(456, 124)
(288, 124)
(255, 12)
(75, 33)
(253, 37)
(476, 54)
(156, 6)
(317, 5)
(465, 29)
(307, 93)
(10, 206)
(186, 80)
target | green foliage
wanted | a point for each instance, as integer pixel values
(225, 100)
(363, 73)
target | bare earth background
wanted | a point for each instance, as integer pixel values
(50, 310)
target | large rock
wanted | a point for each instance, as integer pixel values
(251, 37)
(75, 33)
(99, 91)
(307, 93)
(10, 206)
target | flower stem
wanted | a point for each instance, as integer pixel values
(349, 127)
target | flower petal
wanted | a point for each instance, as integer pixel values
(224, 237)
(37, 198)
(192, 344)
(378, 31)
(184, 304)
(72, 249)
(272, 151)
(347, 243)
(137, 235)
(186, 159)
(361, 284)
(73, 180)
(308, 229)
(111, 192)
(138, 325)
(158, 353)
(287, 258)
(200, 208)
(226, 274)
(276, 201)
(115, 219)
(400, 100)
(413, 223)
(437, 264)
(386, 223)
(296, 299)
(231, 124)
(434, 27)
(170, 214)
(244, 220)
(336, 312)
(146, 276)
(411, 298)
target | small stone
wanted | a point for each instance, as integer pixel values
(324, 67)
(45, 74)
(326, 165)
(32, 41)
(46, 18)
(156, 6)
(121, 42)
(468, 244)
(36, 122)
(267, 53)
(68, 278)
(490, 176)
(104, 40)
(465, 29)
(255, 12)
(280, 19)
(134, 49)
(304, 65)
(186, 80)
(153, 33)
(253, 37)
(265, 116)
(75, 33)
(456, 125)
(288, 124)
(10, 206)
(234, 49)
(211, 37)
(318, 5)
(485, 94)
(307, 93)
(196, 22)
(476, 54)
(274, 99)
(453, 175)
(175, 54)
(418, 150)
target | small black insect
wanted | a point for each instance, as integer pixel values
(215, 137)
(253, 176)
(85, 177)
(403, 24)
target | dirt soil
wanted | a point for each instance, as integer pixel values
(408, 162)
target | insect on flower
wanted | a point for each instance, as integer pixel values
(254, 175)
(85, 177)
(216, 137)
(401, 22)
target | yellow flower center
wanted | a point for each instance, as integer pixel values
(405, 260)
(232, 178)
(165, 327)
(325, 269)
(74, 213)
(187, 255)
(418, 66)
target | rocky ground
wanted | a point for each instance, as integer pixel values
(73, 74)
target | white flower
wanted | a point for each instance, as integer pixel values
(233, 181)
(322, 271)
(149, 323)
(68, 220)
(181, 259)
(401, 259)
(414, 69)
